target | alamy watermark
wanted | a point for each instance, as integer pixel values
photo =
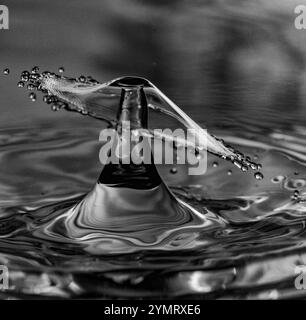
(300, 19)
(300, 280)
(143, 146)
(4, 277)
(4, 17)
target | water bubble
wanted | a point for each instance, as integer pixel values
(173, 170)
(258, 175)
(61, 69)
(20, 84)
(6, 71)
(215, 164)
(32, 96)
(229, 172)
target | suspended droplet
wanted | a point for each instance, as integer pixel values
(215, 164)
(237, 164)
(258, 175)
(24, 78)
(296, 173)
(20, 84)
(259, 166)
(55, 107)
(244, 168)
(6, 71)
(34, 76)
(296, 195)
(30, 86)
(61, 69)
(32, 96)
(35, 69)
(229, 172)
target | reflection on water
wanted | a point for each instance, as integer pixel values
(248, 247)
(235, 67)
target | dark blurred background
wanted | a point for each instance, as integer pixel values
(227, 63)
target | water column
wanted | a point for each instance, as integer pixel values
(132, 116)
(129, 200)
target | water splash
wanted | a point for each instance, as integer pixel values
(99, 100)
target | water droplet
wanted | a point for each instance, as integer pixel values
(55, 107)
(6, 71)
(199, 156)
(296, 195)
(30, 86)
(24, 77)
(229, 172)
(34, 76)
(20, 84)
(173, 170)
(82, 78)
(35, 69)
(258, 175)
(32, 96)
(244, 168)
(48, 99)
(237, 164)
(215, 164)
(61, 69)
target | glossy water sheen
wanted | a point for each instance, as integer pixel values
(246, 90)
(246, 243)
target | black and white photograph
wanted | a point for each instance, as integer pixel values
(152, 153)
